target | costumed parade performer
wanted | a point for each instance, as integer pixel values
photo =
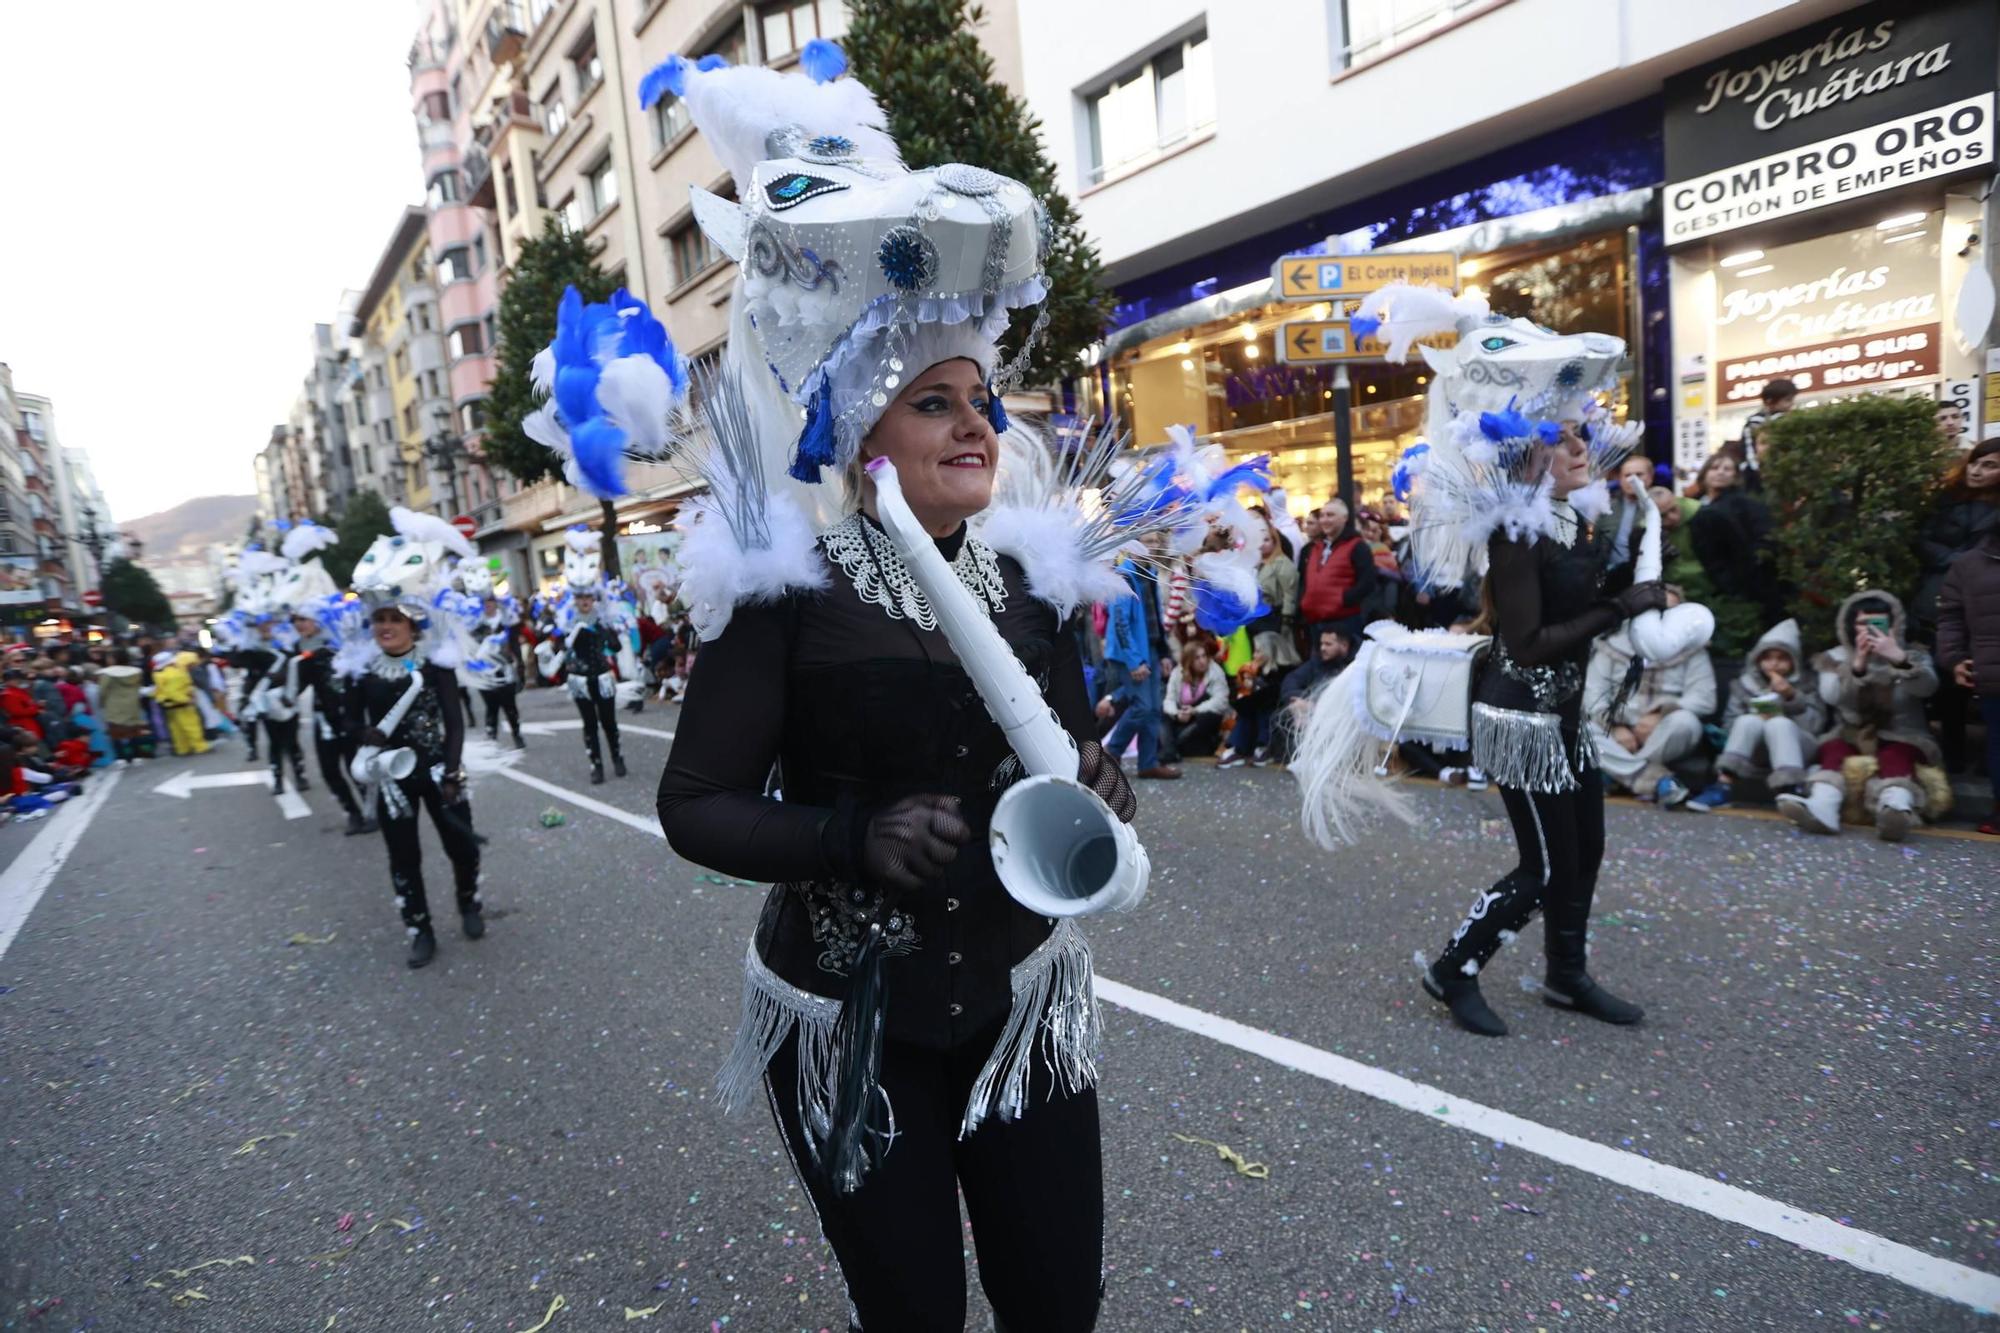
(307, 592)
(590, 650)
(915, 1028)
(247, 633)
(499, 636)
(1507, 487)
(401, 641)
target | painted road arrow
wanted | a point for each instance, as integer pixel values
(185, 784)
(551, 728)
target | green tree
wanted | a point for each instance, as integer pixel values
(1849, 485)
(130, 591)
(366, 519)
(546, 265)
(924, 62)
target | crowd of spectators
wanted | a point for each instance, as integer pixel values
(1893, 695)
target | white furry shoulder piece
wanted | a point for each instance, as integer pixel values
(718, 574)
(1051, 544)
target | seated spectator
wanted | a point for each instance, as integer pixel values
(1331, 655)
(1646, 716)
(1773, 714)
(1969, 644)
(1875, 686)
(1256, 696)
(1197, 702)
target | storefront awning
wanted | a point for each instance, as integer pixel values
(1541, 225)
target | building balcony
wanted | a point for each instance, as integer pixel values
(435, 134)
(506, 31)
(478, 169)
(534, 505)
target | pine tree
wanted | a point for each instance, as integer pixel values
(129, 590)
(923, 60)
(366, 519)
(546, 265)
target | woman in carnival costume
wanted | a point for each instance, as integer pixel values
(400, 640)
(588, 616)
(1508, 487)
(306, 669)
(914, 1031)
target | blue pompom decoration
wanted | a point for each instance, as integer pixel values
(1408, 468)
(600, 455)
(1364, 327)
(1503, 426)
(817, 446)
(823, 61)
(1547, 432)
(711, 62)
(996, 413)
(669, 76)
(1255, 473)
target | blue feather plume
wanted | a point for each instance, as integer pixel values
(1216, 611)
(1364, 327)
(669, 76)
(1500, 427)
(711, 62)
(823, 61)
(1408, 468)
(600, 456)
(1254, 473)
(996, 413)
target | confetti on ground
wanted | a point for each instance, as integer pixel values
(38, 1311)
(1254, 1170)
(184, 1298)
(1513, 1207)
(188, 1092)
(724, 879)
(647, 1313)
(250, 1145)
(554, 1305)
(178, 1273)
(347, 1251)
(554, 818)
(300, 937)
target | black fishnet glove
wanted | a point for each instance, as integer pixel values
(1641, 597)
(908, 844)
(1100, 772)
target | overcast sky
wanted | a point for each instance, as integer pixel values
(185, 189)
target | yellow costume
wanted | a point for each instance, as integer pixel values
(173, 689)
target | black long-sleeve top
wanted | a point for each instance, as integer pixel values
(1549, 602)
(329, 690)
(434, 727)
(856, 710)
(254, 663)
(589, 650)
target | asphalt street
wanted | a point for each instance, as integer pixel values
(228, 1106)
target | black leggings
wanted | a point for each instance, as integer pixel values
(333, 759)
(284, 744)
(598, 711)
(406, 849)
(1034, 1188)
(1561, 840)
(499, 700)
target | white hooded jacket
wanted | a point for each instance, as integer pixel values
(1686, 681)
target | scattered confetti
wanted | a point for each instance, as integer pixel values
(1254, 1170)
(346, 1251)
(250, 1145)
(554, 1305)
(554, 818)
(725, 879)
(647, 1313)
(300, 937)
(178, 1273)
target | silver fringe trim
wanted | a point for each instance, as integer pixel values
(1055, 1012)
(1521, 750)
(772, 1007)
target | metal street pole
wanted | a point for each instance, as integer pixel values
(1343, 435)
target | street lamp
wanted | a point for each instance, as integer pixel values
(443, 448)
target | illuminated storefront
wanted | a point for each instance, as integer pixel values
(1825, 216)
(1568, 238)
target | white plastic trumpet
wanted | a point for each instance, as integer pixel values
(1057, 847)
(373, 765)
(1661, 636)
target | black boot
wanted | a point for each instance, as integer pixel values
(597, 772)
(423, 948)
(618, 763)
(473, 922)
(519, 744)
(278, 779)
(299, 775)
(359, 823)
(1468, 1007)
(1570, 986)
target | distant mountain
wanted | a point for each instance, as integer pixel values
(188, 528)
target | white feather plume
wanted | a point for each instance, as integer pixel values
(583, 540)
(717, 574)
(256, 564)
(1418, 312)
(1045, 542)
(1333, 761)
(418, 527)
(306, 538)
(737, 107)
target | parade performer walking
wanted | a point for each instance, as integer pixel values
(330, 708)
(499, 634)
(914, 1028)
(403, 711)
(590, 651)
(1508, 486)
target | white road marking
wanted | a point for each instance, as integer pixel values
(1807, 1230)
(24, 882)
(185, 784)
(576, 724)
(294, 805)
(626, 817)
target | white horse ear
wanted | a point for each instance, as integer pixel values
(1441, 360)
(723, 222)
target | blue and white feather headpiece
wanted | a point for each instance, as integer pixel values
(616, 389)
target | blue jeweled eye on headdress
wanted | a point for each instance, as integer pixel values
(909, 259)
(1496, 343)
(830, 145)
(1570, 375)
